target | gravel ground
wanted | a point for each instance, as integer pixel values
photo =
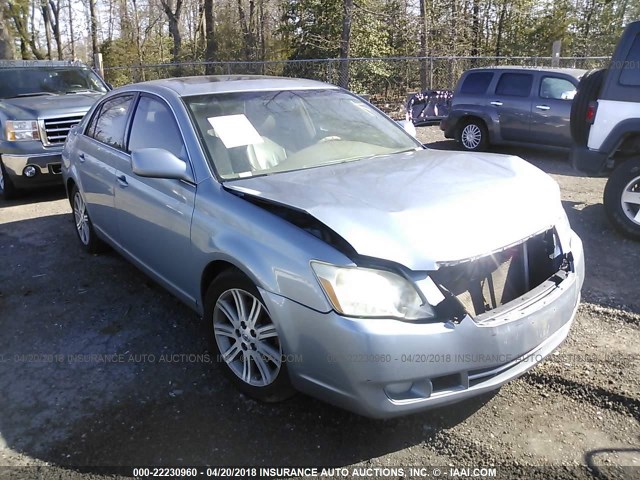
(574, 415)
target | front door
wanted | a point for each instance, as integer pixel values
(154, 214)
(512, 100)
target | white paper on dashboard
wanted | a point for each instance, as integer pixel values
(235, 130)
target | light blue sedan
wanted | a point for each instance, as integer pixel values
(326, 249)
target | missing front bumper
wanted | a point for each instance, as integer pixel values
(484, 284)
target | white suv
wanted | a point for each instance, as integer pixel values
(605, 126)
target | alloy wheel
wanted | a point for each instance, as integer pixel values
(630, 200)
(471, 136)
(81, 218)
(247, 338)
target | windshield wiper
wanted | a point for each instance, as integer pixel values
(81, 91)
(32, 94)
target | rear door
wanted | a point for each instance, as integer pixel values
(154, 214)
(99, 154)
(512, 101)
(551, 110)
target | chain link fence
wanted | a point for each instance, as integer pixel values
(386, 81)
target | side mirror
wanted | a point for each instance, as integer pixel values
(409, 127)
(159, 163)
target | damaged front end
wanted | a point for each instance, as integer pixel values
(302, 220)
(480, 286)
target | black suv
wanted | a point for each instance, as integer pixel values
(502, 105)
(605, 125)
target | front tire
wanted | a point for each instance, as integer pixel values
(7, 189)
(245, 339)
(622, 198)
(473, 136)
(84, 228)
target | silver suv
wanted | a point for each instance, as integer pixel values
(502, 105)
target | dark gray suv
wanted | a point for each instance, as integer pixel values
(501, 105)
(40, 101)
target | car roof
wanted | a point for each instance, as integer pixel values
(207, 84)
(574, 72)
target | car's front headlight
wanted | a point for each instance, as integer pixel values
(17, 130)
(368, 292)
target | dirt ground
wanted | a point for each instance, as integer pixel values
(61, 404)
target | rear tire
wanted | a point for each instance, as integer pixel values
(622, 198)
(245, 339)
(588, 91)
(473, 136)
(84, 228)
(7, 190)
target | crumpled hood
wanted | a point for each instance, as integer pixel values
(420, 208)
(43, 106)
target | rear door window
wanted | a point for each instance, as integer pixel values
(630, 74)
(476, 83)
(91, 128)
(515, 84)
(109, 125)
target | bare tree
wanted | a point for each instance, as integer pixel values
(71, 34)
(475, 28)
(7, 50)
(211, 50)
(199, 35)
(423, 43)
(94, 26)
(173, 15)
(111, 21)
(137, 35)
(345, 42)
(46, 15)
(20, 14)
(262, 27)
(501, 20)
(247, 27)
(53, 17)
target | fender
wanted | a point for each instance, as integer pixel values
(254, 240)
(461, 111)
(618, 135)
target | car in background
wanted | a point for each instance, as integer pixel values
(428, 107)
(512, 105)
(40, 101)
(326, 249)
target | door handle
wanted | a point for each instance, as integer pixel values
(122, 180)
(543, 107)
(496, 103)
(81, 157)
